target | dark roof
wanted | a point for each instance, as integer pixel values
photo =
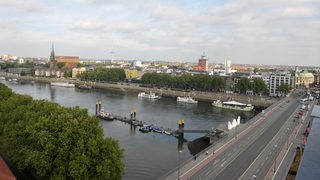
(309, 167)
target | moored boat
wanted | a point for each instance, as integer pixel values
(62, 84)
(187, 99)
(149, 95)
(105, 115)
(233, 105)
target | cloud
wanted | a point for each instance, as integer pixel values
(89, 25)
(24, 6)
(300, 12)
(129, 27)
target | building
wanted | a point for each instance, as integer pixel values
(278, 78)
(137, 63)
(316, 79)
(266, 78)
(76, 71)
(203, 64)
(70, 61)
(303, 79)
(5, 172)
(228, 67)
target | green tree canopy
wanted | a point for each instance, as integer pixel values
(103, 74)
(185, 81)
(259, 86)
(244, 84)
(284, 88)
(57, 142)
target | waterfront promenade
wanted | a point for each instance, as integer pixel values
(258, 101)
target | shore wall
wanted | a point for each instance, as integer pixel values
(258, 101)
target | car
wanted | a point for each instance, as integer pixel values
(300, 113)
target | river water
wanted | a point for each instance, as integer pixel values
(150, 155)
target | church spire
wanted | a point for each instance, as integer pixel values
(52, 58)
(52, 55)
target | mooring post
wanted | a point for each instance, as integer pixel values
(97, 108)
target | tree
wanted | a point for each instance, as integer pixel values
(256, 70)
(259, 86)
(67, 73)
(103, 74)
(284, 88)
(244, 85)
(55, 141)
(60, 64)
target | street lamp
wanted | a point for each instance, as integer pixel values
(214, 134)
(275, 158)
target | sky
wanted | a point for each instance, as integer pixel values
(272, 32)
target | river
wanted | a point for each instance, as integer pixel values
(150, 155)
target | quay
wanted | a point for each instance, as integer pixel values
(257, 101)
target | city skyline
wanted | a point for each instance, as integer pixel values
(245, 32)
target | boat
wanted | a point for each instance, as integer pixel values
(233, 105)
(62, 84)
(149, 95)
(158, 129)
(105, 115)
(187, 99)
(146, 128)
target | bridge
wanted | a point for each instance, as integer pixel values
(262, 148)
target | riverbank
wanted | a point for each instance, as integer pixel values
(258, 101)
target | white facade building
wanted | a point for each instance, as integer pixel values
(228, 67)
(137, 63)
(276, 79)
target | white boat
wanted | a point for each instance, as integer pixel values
(62, 84)
(187, 99)
(149, 95)
(233, 105)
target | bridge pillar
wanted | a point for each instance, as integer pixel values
(98, 107)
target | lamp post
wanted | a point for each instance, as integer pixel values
(275, 158)
(214, 134)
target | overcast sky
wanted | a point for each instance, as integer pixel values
(281, 32)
